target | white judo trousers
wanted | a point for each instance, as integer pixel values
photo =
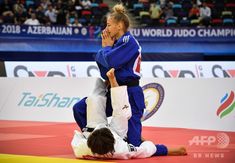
(96, 118)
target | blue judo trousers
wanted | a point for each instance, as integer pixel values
(125, 57)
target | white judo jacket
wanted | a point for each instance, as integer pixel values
(96, 118)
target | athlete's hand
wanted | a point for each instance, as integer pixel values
(104, 156)
(107, 40)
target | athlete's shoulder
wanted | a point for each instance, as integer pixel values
(127, 37)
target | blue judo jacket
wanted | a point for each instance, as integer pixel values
(124, 56)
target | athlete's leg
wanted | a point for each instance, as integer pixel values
(109, 109)
(134, 130)
(162, 150)
(80, 108)
(79, 113)
(136, 99)
(100, 88)
(96, 105)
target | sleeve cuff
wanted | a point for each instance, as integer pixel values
(107, 48)
(161, 150)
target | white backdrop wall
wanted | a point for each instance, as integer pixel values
(184, 103)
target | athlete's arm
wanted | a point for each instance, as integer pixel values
(123, 150)
(121, 110)
(79, 145)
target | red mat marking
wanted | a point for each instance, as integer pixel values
(53, 140)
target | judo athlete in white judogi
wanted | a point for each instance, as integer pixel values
(107, 140)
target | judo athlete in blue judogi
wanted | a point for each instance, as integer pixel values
(120, 50)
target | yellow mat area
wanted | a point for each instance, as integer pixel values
(9, 158)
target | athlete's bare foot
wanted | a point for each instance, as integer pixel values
(112, 79)
(177, 151)
(182, 151)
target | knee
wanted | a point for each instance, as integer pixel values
(79, 106)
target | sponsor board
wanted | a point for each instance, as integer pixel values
(148, 69)
(188, 69)
(182, 32)
(184, 103)
(41, 99)
(154, 34)
(52, 69)
(50, 31)
(193, 103)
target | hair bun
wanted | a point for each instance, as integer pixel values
(119, 8)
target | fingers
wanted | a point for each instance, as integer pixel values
(104, 38)
(104, 34)
(108, 35)
(107, 40)
(107, 155)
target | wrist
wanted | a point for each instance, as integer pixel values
(107, 47)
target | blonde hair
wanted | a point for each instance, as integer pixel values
(119, 8)
(119, 14)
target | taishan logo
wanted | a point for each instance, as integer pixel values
(47, 100)
(227, 105)
(153, 96)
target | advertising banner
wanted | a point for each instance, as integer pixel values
(188, 69)
(51, 69)
(149, 34)
(148, 69)
(183, 103)
(49, 31)
(190, 103)
(41, 99)
(189, 34)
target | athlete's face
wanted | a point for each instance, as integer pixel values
(113, 27)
